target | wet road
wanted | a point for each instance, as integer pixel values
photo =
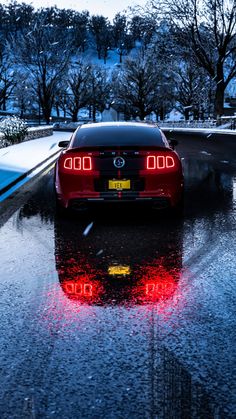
(122, 313)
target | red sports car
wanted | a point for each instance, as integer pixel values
(116, 162)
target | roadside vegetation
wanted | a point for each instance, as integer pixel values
(14, 131)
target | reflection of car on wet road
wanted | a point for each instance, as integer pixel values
(118, 284)
(97, 270)
(119, 162)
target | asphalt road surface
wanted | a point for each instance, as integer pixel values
(122, 312)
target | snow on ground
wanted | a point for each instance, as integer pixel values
(112, 60)
(18, 159)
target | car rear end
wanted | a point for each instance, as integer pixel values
(117, 163)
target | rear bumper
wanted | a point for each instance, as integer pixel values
(165, 191)
(159, 202)
(162, 201)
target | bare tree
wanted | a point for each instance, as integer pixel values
(24, 98)
(7, 80)
(78, 92)
(119, 32)
(43, 54)
(101, 30)
(208, 28)
(73, 24)
(192, 90)
(142, 28)
(119, 29)
(80, 29)
(138, 85)
(98, 90)
(15, 17)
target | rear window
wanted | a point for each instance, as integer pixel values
(118, 135)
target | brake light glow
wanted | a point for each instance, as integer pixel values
(170, 161)
(68, 163)
(80, 289)
(151, 162)
(160, 162)
(87, 163)
(78, 163)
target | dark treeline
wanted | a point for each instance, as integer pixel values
(79, 27)
(163, 61)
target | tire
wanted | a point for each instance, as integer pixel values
(61, 211)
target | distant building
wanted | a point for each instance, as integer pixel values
(109, 114)
(174, 116)
(230, 106)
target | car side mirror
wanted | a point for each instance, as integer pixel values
(173, 143)
(63, 143)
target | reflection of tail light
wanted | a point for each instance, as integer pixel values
(150, 289)
(160, 289)
(161, 286)
(77, 288)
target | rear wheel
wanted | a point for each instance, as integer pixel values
(60, 210)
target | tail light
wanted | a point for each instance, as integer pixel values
(83, 163)
(160, 162)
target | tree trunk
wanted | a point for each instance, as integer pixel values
(162, 113)
(219, 99)
(142, 114)
(57, 110)
(75, 115)
(46, 113)
(186, 114)
(94, 113)
(220, 90)
(4, 103)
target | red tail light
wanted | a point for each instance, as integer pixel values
(78, 163)
(160, 162)
(68, 163)
(151, 162)
(87, 163)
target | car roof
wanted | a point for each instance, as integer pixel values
(117, 123)
(106, 134)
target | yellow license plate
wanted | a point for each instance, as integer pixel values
(119, 270)
(119, 184)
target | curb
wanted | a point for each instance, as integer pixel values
(24, 175)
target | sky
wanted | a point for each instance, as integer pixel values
(107, 8)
